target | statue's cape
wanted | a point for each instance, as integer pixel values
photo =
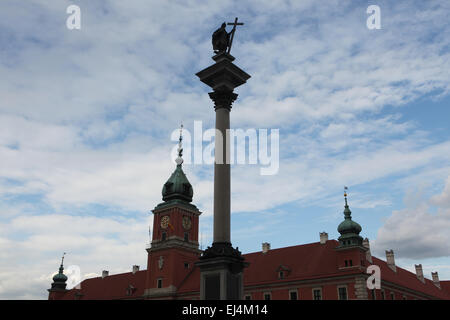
(220, 39)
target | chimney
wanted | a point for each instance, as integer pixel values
(435, 277)
(419, 272)
(135, 269)
(265, 247)
(391, 260)
(323, 237)
(105, 273)
(366, 244)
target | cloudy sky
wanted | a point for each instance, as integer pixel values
(86, 118)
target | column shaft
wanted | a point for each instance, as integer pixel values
(222, 186)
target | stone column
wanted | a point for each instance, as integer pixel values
(221, 265)
(222, 186)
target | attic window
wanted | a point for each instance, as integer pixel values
(283, 272)
(130, 290)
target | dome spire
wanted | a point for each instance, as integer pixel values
(178, 187)
(179, 160)
(61, 268)
(348, 228)
(347, 212)
(59, 280)
(345, 195)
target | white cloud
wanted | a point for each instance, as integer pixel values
(30, 247)
(443, 199)
(415, 232)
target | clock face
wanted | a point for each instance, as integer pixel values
(165, 222)
(187, 222)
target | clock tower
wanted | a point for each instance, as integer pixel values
(174, 248)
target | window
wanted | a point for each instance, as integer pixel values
(317, 294)
(159, 283)
(281, 275)
(130, 290)
(383, 297)
(186, 265)
(293, 295)
(163, 237)
(267, 296)
(248, 297)
(186, 236)
(372, 292)
(392, 296)
(342, 291)
(351, 263)
(346, 263)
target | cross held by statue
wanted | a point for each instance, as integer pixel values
(234, 24)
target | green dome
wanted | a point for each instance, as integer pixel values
(348, 225)
(349, 230)
(60, 277)
(177, 187)
(59, 280)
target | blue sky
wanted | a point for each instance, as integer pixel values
(86, 117)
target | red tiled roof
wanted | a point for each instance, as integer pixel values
(408, 279)
(445, 285)
(315, 260)
(308, 261)
(191, 283)
(111, 287)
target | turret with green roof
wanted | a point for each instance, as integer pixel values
(59, 279)
(349, 229)
(177, 189)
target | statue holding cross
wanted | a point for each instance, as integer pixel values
(222, 40)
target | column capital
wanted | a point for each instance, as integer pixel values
(223, 99)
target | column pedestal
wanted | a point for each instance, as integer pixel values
(221, 273)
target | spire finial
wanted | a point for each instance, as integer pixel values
(179, 159)
(61, 268)
(345, 195)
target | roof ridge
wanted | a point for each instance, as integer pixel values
(293, 246)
